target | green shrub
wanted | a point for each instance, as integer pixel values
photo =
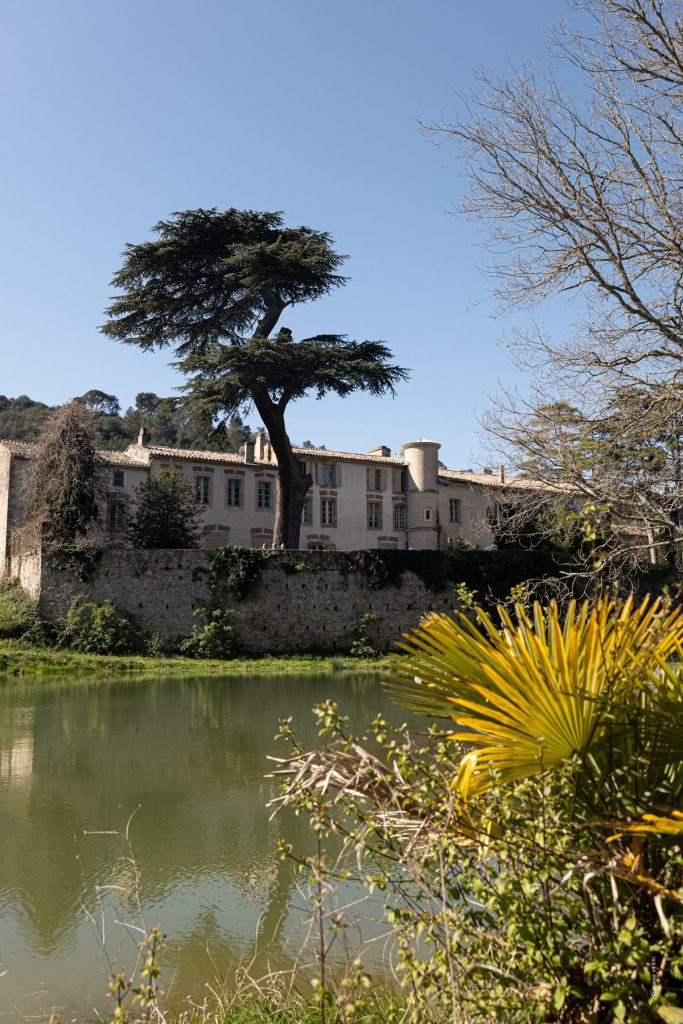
(155, 647)
(41, 633)
(18, 611)
(362, 646)
(99, 628)
(214, 638)
(510, 908)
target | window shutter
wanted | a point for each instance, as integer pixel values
(338, 474)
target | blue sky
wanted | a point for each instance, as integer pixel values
(114, 114)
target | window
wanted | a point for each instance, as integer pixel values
(454, 510)
(117, 516)
(328, 512)
(233, 492)
(307, 512)
(264, 494)
(377, 479)
(328, 476)
(404, 481)
(428, 515)
(202, 486)
(400, 517)
(374, 515)
(118, 478)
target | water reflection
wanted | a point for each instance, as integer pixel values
(190, 755)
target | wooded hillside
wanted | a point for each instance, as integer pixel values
(23, 418)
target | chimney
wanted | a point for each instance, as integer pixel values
(501, 473)
(247, 451)
(260, 446)
(381, 451)
(143, 437)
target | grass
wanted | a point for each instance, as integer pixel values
(19, 659)
(262, 1011)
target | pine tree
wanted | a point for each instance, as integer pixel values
(166, 514)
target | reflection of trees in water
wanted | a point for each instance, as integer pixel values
(192, 753)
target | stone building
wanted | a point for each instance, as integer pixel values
(357, 500)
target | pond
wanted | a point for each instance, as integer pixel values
(186, 759)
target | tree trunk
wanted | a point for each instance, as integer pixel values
(293, 483)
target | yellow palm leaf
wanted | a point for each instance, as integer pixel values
(534, 690)
(653, 824)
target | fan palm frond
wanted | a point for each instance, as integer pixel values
(538, 689)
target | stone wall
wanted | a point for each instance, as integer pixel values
(297, 601)
(27, 567)
(304, 601)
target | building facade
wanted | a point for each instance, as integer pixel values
(356, 501)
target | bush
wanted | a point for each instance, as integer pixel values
(18, 611)
(361, 646)
(155, 647)
(511, 907)
(99, 628)
(213, 639)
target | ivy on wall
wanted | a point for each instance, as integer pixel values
(235, 570)
(80, 559)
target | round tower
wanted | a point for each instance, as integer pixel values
(422, 481)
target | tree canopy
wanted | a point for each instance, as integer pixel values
(212, 286)
(225, 378)
(217, 276)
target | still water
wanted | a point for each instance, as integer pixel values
(185, 758)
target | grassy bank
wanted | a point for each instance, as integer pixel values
(20, 659)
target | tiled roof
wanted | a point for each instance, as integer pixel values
(139, 456)
(192, 454)
(323, 453)
(27, 449)
(466, 476)
(197, 455)
(120, 459)
(22, 449)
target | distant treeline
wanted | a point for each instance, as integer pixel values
(22, 419)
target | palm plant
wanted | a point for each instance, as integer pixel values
(594, 683)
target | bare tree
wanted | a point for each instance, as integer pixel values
(66, 484)
(582, 192)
